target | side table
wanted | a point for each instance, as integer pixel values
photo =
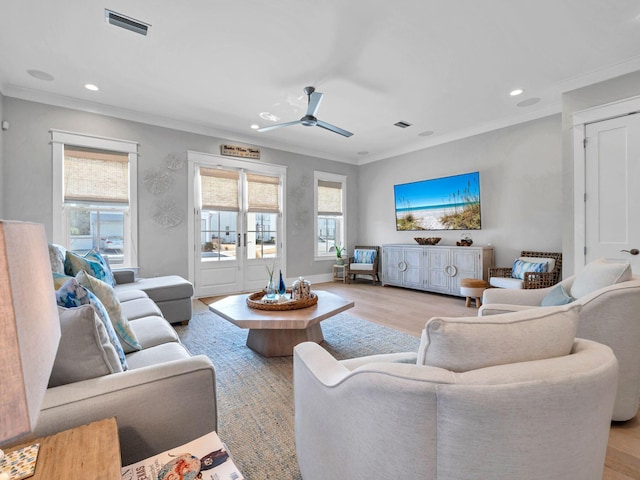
(89, 452)
(340, 273)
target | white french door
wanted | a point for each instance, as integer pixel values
(237, 223)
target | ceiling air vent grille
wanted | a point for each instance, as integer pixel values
(402, 124)
(125, 22)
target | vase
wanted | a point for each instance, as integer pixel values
(282, 287)
(339, 261)
(271, 289)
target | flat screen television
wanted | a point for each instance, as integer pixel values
(448, 203)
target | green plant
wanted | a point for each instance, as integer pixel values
(339, 251)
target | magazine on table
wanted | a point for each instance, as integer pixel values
(205, 458)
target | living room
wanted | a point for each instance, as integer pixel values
(526, 170)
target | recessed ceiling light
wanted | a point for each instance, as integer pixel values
(91, 86)
(516, 92)
(425, 133)
(255, 126)
(269, 116)
(40, 75)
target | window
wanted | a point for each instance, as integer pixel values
(94, 201)
(330, 205)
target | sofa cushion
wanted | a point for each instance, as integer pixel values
(556, 296)
(129, 295)
(551, 262)
(85, 350)
(153, 330)
(92, 263)
(140, 307)
(599, 274)
(57, 255)
(361, 255)
(506, 282)
(469, 343)
(72, 294)
(159, 289)
(361, 266)
(109, 299)
(164, 353)
(520, 267)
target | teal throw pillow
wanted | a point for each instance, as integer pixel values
(520, 267)
(364, 255)
(93, 263)
(71, 294)
(556, 296)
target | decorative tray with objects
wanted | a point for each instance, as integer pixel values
(256, 300)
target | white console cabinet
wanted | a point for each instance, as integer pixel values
(434, 268)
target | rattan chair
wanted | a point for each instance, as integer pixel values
(371, 269)
(533, 279)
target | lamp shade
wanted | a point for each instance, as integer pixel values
(29, 326)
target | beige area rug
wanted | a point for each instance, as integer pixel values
(255, 394)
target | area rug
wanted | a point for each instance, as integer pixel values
(255, 394)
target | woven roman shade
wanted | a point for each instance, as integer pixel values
(95, 176)
(219, 189)
(329, 198)
(263, 193)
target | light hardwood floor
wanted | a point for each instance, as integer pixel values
(408, 310)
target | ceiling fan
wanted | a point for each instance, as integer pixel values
(310, 120)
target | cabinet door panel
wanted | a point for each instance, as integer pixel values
(392, 264)
(436, 269)
(467, 264)
(412, 275)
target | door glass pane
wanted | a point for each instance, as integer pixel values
(262, 235)
(218, 235)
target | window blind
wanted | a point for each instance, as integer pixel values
(263, 193)
(329, 198)
(219, 189)
(95, 176)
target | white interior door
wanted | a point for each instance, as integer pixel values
(612, 185)
(237, 224)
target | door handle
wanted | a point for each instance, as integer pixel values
(633, 251)
(238, 242)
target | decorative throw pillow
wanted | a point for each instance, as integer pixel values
(72, 294)
(364, 255)
(469, 343)
(85, 350)
(520, 267)
(93, 263)
(107, 295)
(599, 274)
(556, 296)
(57, 254)
(59, 279)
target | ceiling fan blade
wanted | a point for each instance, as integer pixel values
(279, 125)
(333, 128)
(314, 102)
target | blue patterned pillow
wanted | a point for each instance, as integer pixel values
(71, 294)
(520, 267)
(93, 263)
(364, 256)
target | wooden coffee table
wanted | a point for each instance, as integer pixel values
(275, 333)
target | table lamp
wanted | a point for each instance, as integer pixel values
(29, 327)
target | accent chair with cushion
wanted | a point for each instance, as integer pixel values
(364, 261)
(514, 396)
(609, 297)
(530, 270)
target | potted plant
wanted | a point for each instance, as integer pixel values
(339, 251)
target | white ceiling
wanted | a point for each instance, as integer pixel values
(212, 66)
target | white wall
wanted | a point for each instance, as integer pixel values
(28, 190)
(520, 187)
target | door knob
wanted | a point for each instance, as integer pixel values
(633, 251)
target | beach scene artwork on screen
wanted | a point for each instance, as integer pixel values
(448, 203)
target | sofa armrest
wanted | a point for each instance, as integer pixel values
(531, 297)
(157, 407)
(500, 308)
(124, 276)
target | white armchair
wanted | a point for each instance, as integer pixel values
(609, 314)
(385, 416)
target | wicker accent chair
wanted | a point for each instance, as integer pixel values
(355, 268)
(530, 279)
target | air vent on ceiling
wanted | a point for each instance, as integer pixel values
(402, 124)
(125, 22)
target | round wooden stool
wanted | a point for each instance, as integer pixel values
(472, 288)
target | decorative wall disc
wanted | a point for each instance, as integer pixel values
(174, 162)
(157, 181)
(166, 213)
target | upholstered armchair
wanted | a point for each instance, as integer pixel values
(609, 298)
(515, 398)
(364, 262)
(530, 270)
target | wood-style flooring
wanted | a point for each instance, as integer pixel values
(408, 310)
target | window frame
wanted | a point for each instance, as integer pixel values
(319, 176)
(59, 139)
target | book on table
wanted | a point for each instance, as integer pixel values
(205, 458)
